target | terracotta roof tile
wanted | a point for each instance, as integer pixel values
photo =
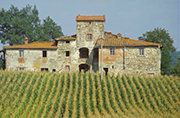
(37, 45)
(66, 38)
(113, 40)
(90, 18)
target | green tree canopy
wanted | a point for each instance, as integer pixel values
(161, 36)
(176, 69)
(17, 24)
(174, 57)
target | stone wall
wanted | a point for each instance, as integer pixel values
(71, 60)
(32, 60)
(147, 64)
(74, 60)
(127, 60)
(84, 27)
(96, 28)
(114, 63)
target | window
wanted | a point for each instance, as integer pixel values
(67, 53)
(44, 53)
(21, 68)
(89, 36)
(84, 52)
(21, 53)
(44, 69)
(54, 70)
(112, 51)
(67, 41)
(141, 51)
(67, 68)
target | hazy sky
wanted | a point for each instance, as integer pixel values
(134, 17)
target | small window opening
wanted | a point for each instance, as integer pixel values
(112, 51)
(89, 36)
(67, 53)
(106, 71)
(67, 68)
(112, 67)
(44, 53)
(21, 68)
(67, 41)
(44, 69)
(54, 70)
(21, 53)
(141, 51)
(89, 22)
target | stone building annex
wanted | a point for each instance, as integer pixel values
(82, 51)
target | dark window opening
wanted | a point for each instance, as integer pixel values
(54, 70)
(44, 69)
(67, 53)
(67, 41)
(21, 53)
(84, 67)
(141, 51)
(106, 71)
(21, 68)
(112, 67)
(112, 51)
(89, 22)
(89, 36)
(44, 53)
(84, 52)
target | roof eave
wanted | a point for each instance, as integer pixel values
(129, 45)
(32, 48)
(65, 39)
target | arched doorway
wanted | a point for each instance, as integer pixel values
(84, 52)
(84, 67)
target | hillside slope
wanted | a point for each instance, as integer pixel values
(78, 95)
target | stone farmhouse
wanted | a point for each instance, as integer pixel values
(82, 51)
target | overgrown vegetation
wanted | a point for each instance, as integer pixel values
(75, 95)
(16, 24)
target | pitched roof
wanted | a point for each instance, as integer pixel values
(90, 18)
(114, 40)
(34, 45)
(73, 37)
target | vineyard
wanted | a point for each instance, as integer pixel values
(79, 95)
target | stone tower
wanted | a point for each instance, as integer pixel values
(88, 30)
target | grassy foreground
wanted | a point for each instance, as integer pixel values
(79, 95)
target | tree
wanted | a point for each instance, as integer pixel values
(161, 36)
(174, 57)
(17, 24)
(1, 64)
(176, 70)
(49, 29)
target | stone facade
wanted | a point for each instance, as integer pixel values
(83, 52)
(32, 60)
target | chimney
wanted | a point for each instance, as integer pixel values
(26, 40)
(119, 35)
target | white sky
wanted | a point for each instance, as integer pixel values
(134, 17)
